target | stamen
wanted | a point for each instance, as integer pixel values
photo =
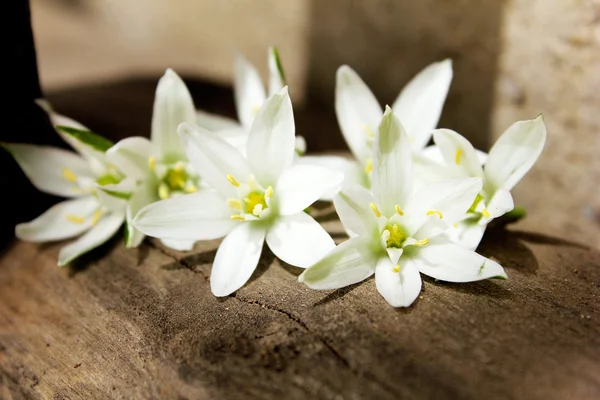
(269, 192)
(375, 210)
(191, 189)
(436, 212)
(96, 217)
(232, 180)
(74, 218)
(152, 163)
(486, 213)
(238, 217)
(179, 167)
(423, 242)
(257, 209)
(368, 131)
(69, 175)
(457, 156)
(399, 210)
(236, 204)
(163, 191)
(369, 166)
(396, 269)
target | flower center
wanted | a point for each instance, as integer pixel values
(473, 208)
(253, 203)
(107, 179)
(397, 236)
(255, 200)
(176, 180)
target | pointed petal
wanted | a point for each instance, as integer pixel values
(61, 221)
(197, 216)
(276, 73)
(179, 245)
(441, 259)
(131, 157)
(458, 153)
(213, 158)
(420, 103)
(352, 206)
(301, 185)
(299, 240)
(466, 234)
(248, 91)
(500, 204)
(271, 141)
(401, 288)
(394, 254)
(392, 179)
(106, 227)
(173, 105)
(353, 172)
(357, 110)
(514, 153)
(351, 262)
(214, 123)
(237, 258)
(50, 169)
(144, 194)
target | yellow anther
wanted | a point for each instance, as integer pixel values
(436, 212)
(191, 189)
(486, 213)
(423, 242)
(232, 180)
(235, 204)
(368, 131)
(399, 210)
(269, 192)
(152, 163)
(237, 217)
(179, 167)
(375, 210)
(164, 192)
(369, 166)
(396, 269)
(96, 217)
(69, 175)
(74, 218)
(457, 156)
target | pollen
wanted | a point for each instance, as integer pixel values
(237, 217)
(369, 166)
(396, 269)
(435, 212)
(399, 210)
(254, 198)
(96, 217)
(152, 163)
(397, 236)
(69, 175)
(176, 178)
(163, 191)
(191, 189)
(457, 156)
(420, 243)
(75, 218)
(486, 213)
(375, 210)
(269, 192)
(234, 203)
(232, 180)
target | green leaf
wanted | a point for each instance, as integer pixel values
(91, 139)
(275, 53)
(517, 214)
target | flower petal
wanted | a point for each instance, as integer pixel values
(299, 240)
(357, 110)
(500, 204)
(301, 185)
(420, 103)
(351, 262)
(179, 245)
(458, 153)
(173, 105)
(237, 258)
(50, 169)
(144, 194)
(400, 288)
(352, 206)
(441, 259)
(61, 221)
(514, 153)
(466, 234)
(100, 233)
(197, 216)
(276, 73)
(213, 158)
(131, 157)
(214, 123)
(248, 91)
(271, 141)
(392, 179)
(353, 172)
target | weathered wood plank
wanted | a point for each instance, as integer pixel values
(143, 324)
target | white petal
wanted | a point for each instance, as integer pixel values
(237, 258)
(131, 157)
(458, 152)
(392, 179)
(276, 73)
(179, 245)
(248, 91)
(357, 110)
(197, 216)
(466, 234)
(144, 194)
(446, 261)
(420, 103)
(514, 153)
(271, 141)
(401, 288)
(114, 197)
(351, 262)
(352, 206)
(61, 221)
(500, 204)
(214, 123)
(173, 105)
(214, 159)
(352, 170)
(446, 200)
(299, 240)
(50, 169)
(100, 233)
(301, 185)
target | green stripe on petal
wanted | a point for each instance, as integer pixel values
(88, 138)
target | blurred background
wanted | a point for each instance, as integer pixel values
(513, 59)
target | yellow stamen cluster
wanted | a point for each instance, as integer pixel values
(397, 236)
(253, 199)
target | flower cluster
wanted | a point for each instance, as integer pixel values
(408, 208)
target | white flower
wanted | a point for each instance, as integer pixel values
(419, 106)
(398, 233)
(250, 94)
(159, 166)
(256, 199)
(511, 157)
(77, 176)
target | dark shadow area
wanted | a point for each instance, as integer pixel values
(338, 294)
(538, 238)
(88, 259)
(389, 41)
(487, 287)
(266, 260)
(143, 250)
(509, 250)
